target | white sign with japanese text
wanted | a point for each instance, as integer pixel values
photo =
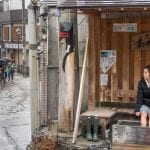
(125, 27)
(13, 46)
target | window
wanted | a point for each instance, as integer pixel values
(14, 33)
(6, 33)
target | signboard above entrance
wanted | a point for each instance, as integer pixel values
(13, 46)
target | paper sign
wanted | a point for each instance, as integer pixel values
(107, 59)
(103, 79)
(125, 27)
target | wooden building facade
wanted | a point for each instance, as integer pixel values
(131, 58)
(117, 27)
(118, 49)
(121, 26)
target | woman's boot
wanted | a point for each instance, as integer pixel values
(95, 126)
(88, 128)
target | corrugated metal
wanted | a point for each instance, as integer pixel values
(95, 3)
(50, 3)
(106, 3)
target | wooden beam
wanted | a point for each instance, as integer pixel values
(125, 67)
(97, 49)
(120, 59)
(67, 78)
(137, 61)
(103, 46)
(92, 63)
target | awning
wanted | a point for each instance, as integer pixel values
(95, 3)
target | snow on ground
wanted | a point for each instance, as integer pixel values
(15, 131)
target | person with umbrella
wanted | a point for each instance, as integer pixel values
(2, 71)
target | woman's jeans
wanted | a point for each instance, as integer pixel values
(11, 75)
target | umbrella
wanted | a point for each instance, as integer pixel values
(7, 58)
(3, 61)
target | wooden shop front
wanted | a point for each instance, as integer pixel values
(123, 35)
(118, 48)
(121, 26)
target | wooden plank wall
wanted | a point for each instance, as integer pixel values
(93, 60)
(122, 85)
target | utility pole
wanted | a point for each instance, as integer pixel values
(18, 53)
(24, 39)
(18, 31)
(33, 66)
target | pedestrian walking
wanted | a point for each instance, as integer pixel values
(11, 70)
(6, 72)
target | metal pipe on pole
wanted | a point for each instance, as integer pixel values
(33, 67)
(43, 65)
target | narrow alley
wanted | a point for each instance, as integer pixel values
(15, 132)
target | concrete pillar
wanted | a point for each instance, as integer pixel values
(33, 68)
(68, 80)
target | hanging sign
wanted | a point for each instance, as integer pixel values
(107, 59)
(64, 34)
(125, 27)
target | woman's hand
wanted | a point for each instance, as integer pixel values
(137, 114)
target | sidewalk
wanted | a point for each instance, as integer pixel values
(15, 131)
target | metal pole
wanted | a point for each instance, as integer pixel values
(18, 53)
(24, 39)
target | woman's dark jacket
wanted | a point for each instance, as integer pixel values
(143, 95)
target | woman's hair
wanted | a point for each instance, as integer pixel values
(148, 68)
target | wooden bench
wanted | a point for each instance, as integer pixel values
(127, 111)
(105, 116)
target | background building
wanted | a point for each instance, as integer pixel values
(11, 44)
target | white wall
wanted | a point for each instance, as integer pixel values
(27, 2)
(14, 4)
(6, 5)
